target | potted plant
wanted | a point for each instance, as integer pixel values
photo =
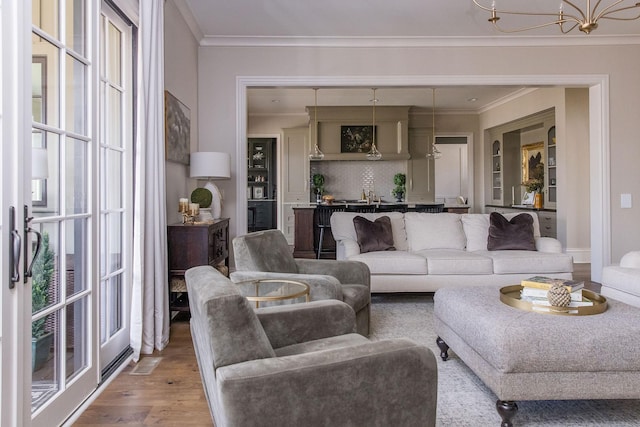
(318, 185)
(399, 180)
(43, 269)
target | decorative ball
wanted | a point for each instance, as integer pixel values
(559, 296)
(202, 196)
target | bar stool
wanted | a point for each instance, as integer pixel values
(323, 222)
(431, 208)
(392, 208)
(361, 208)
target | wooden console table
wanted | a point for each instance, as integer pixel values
(191, 245)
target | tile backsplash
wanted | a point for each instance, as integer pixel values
(345, 180)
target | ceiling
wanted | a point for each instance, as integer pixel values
(374, 23)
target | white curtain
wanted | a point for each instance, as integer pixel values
(149, 302)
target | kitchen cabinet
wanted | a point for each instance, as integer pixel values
(551, 180)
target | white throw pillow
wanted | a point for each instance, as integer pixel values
(434, 231)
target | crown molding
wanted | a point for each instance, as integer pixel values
(188, 17)
(398, 42)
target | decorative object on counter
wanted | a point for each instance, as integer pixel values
(318, 186)
(398, 192)
(434, 153)
(538, 201)
(374, 154)
(203, 198)
(328, 199)
(211, 165)
(189, 211)
(316, 154)
(584, 20)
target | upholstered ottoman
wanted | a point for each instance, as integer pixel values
(523, 355)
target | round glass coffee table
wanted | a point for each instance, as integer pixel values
(273, 290)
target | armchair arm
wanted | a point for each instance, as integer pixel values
(548, 244)
(296, 323)
(321, 286)
(391, 382)
(347, 272)
(631, 260)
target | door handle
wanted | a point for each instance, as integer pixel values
(15, 249)
(28, 272)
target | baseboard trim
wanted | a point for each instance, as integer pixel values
(580, 255)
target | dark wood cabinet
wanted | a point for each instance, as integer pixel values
(191, 245)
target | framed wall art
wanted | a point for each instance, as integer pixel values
(177, 131)
(533, 162)
(356, 139)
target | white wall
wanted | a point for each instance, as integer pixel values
(181, 79)
(219, 68)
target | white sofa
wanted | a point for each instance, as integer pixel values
(622, 282)
(444, 250)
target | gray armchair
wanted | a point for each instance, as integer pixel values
(302, 364)
(266, 255)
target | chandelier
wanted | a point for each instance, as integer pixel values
(434, 153)
(585, 20)
(316, 154)
(373, 153)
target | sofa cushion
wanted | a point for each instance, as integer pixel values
(329, 343)
(476, 229)
(434, 231)
(234, 329)
(393, 262)
(456, 262)
(529, 262)
(623, 279)
(342, 226)
(266, 250)
(374, 235)
(513, 234)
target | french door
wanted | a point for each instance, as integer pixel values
(62, 201)
(65, 220)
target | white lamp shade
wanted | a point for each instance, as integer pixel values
(210, 164)
(39, 163)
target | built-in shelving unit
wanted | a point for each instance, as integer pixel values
(261, 185)
(552, 162)
(496, 171)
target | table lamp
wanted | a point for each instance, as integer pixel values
(211, 165)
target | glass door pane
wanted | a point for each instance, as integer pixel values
(64, 350)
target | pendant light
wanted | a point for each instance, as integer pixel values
(316, 154)
(374, 154)
(434, 153)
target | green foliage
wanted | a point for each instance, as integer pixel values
(43, 269)
(399, 180)
(318, 183)
(202, 196)
(536, 181)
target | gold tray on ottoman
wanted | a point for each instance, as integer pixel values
(510, 295)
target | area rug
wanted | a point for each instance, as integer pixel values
(463, 399)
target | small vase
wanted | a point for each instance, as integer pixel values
(538, 201)
(399, 197)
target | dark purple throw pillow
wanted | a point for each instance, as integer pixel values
(374, 236)
(516, 234)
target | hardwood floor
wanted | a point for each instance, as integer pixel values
(172, 395)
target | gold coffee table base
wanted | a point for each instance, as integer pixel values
(289, 289)
(510, 295)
